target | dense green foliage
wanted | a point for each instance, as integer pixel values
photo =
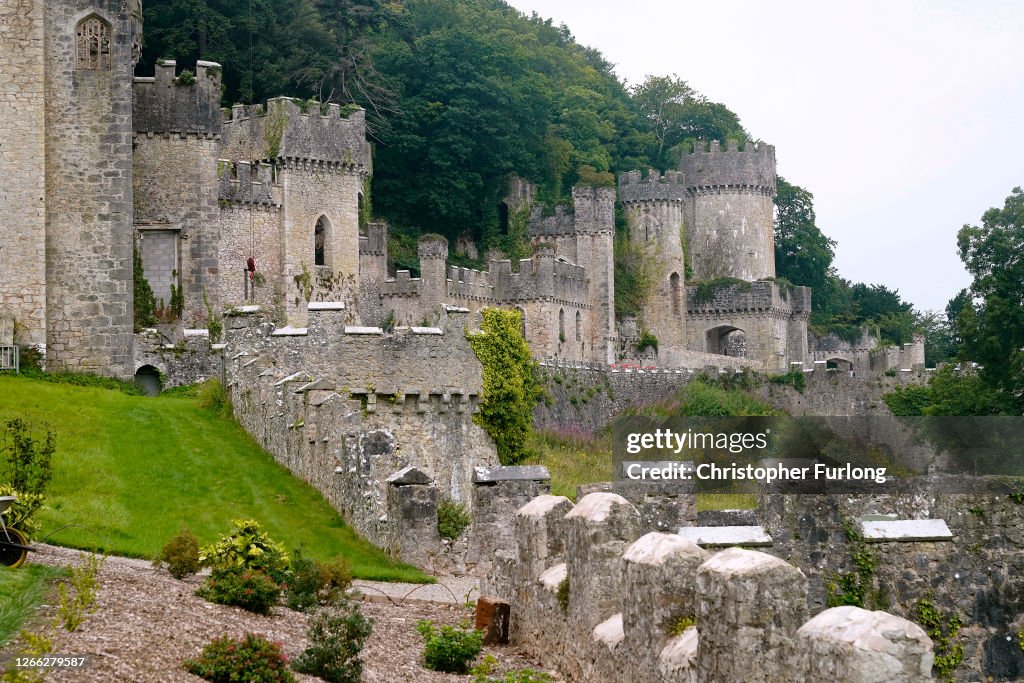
(452, 519)
(943, 630)
(180, 554)
(248, 547)
(991, 324)
(311, 583)
(27, 470)
(803, 255)
(511, 389)
(250, 589)
(145, 301)
(448, 648)
(123, 485)
(251, 658)
(336, 637)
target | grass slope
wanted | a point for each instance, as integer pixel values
(130, 471)
(21, 591)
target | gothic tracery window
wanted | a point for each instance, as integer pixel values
(92, 41)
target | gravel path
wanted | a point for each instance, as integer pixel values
(147, 623)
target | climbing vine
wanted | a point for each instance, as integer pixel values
(856, 587)
(145, 302)
(511, 389)
(942, 629)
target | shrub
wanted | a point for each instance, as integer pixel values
(450, 649)
(452, 519)
(19, 514)
(482, 674)
(72, 609)
(563, 595)
(27, 460)
(311, 582)
(253, 659)
(647, 341)
(180, 554)
(336, 637)
(212, 396)
(249, 589)
(249, 548)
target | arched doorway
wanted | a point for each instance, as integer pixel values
(148, 379)
(839, 364)
(726, 340)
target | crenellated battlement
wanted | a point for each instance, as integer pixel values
(299, 132)
(633, 187)
(168, 103)
(247, 183)
(375, 241)
(751, 169)
(761, 295)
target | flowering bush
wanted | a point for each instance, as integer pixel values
(247, 547)
(253, 659)
(249, 589)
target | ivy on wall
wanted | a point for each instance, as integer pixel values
(511, 389)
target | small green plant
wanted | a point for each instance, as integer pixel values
(482, 673)
(646, 341)
(452, 519)
(76, 599)
(212, 396)
(311, 582)
(248, 547)
(705, 291)
(450, 649)
(213, 322)
(389, 323)
(250, 589)
(27, 460)
(186, 77)
(180, 555)
(857, 587)
(32, 645)
(561, 337)
(942, 629)
(563, 595)
(679, 626)
(891, 372)
(794, 378)
(19, 515)
(304, 281)
(145, 301)
(336, 637)
(253, 659)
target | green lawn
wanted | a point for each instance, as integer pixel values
(130, 471)
(21, 591)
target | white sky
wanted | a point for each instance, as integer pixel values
(904, 118)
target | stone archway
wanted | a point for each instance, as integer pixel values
(148, 378)
(839, 363)
(726, 340)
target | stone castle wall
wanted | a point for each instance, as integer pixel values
(23, 163)
(594, 597)
(347, 407)
(89, 194)
(177, 130)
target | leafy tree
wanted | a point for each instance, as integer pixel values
(991, 327)
(803, 255)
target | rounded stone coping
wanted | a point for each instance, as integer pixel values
(739, 562)
(596, 507)
(680, 652)
(610, 631)
(552, 577)
(542, 505)
(656, 548)
(861, 628)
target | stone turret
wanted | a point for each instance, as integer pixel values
(729, 217)
(433, 253)
(654, 205)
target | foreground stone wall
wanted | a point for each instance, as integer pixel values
(593, 598)
(346, 408)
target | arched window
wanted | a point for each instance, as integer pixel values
(320, 237)
(561, 324)
(579, 326)
(675, 289)
(92, 44)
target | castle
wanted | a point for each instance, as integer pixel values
(264, 205)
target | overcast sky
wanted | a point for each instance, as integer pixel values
(904, 119)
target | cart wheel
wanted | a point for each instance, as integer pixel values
(12, 557)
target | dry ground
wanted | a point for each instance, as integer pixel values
(147, 623)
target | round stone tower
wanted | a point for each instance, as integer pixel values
(729, 212)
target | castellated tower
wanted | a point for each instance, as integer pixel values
(654, 206)
(729, 218)
(90, 52)
(311, 162)
(585, 238)
(433, 253)
(177, 130)
(23, 167)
